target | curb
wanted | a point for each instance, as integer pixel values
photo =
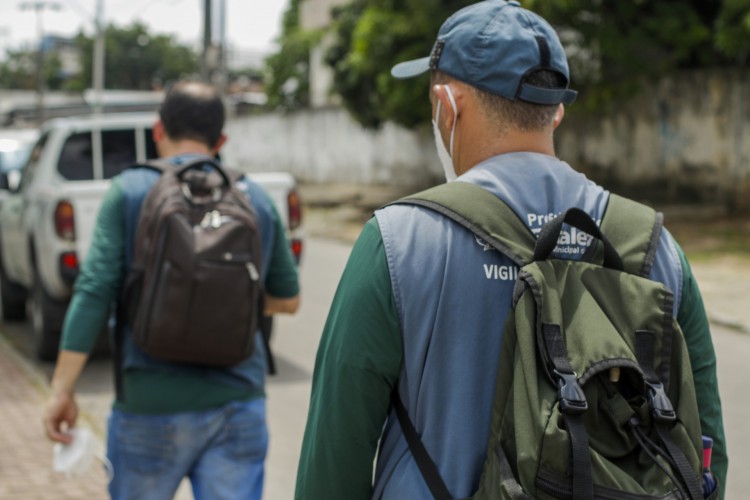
(728, 322)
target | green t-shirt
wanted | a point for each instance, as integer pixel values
(97, 288)
(359, 362)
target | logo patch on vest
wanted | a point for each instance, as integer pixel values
(502, 273)
(572, 241)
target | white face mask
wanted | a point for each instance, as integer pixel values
(78, 456)
(446, 157)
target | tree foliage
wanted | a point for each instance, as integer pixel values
(614, 47)
(288, 70)
(18, 71)
(733, 29)
(135, 59)
(373, 35)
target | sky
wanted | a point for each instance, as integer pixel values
(250, 24)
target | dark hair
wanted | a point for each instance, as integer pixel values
(521, 115)
(193, 110)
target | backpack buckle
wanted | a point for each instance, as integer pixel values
(570, 393)
(661, 408)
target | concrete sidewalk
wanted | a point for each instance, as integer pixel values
(26, 458)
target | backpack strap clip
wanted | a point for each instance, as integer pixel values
(569, 392)
(661, 408)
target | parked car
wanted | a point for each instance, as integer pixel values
(47, 220)
(15, 148)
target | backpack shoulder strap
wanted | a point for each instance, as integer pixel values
(482, 213)
(156, 164)
(634, 230)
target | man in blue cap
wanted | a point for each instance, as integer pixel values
(421, 298)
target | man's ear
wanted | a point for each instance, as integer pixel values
(442, 94)
(559, 115)
(219, 143)
(157, 132)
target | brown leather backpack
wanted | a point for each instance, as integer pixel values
(193, 293)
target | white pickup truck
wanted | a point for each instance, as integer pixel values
(48, 216)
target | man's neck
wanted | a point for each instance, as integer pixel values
(509, 143)
(184, 147)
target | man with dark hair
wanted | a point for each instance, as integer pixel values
(422, 302)
(176, 420)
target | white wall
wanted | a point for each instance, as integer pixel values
(686, 139)
(327, 145)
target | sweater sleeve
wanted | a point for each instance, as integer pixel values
(282, 280)
(357, 365)
(100, 278)
(693, 321)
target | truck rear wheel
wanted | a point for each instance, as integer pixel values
(47, 315)
(13, 299)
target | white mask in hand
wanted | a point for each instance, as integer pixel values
(446, 157)
(78, 456)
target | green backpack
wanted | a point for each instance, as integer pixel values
(594, 395)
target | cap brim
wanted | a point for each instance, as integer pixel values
(412, 68)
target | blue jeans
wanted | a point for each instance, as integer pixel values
(221, 451)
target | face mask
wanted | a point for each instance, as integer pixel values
(78, 456)
(446, 158)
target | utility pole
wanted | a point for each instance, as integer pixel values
(206, 59)
(223, 76)
(39, 6)
(213, 60)
(98, 64)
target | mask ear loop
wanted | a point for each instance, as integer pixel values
(455, 116)
(108, 467)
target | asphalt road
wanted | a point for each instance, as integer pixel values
(295, 343)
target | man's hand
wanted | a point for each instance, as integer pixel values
(61, 408)
(275, 305)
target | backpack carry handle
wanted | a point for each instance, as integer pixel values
(199, 162)
(577, 218)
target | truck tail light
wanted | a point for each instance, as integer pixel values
(69, 267)
(69, 261)
(295, 210)
(64, 221)
(296, 245)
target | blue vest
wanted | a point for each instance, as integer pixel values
(453, 295)
(250, 374)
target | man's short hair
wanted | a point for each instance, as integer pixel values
(505, 114)
(193, 110)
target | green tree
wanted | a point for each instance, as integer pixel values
(733, 29)
(614, 47)
(18, 71)
(373, 35)
(135, 59)
(288, 70)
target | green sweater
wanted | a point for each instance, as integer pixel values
(97, 288)
(359, 362)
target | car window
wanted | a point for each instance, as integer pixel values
(150, 145)
(75, 163)
(118, 151)
(14, 154)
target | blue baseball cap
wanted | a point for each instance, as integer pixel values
(493, 45)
